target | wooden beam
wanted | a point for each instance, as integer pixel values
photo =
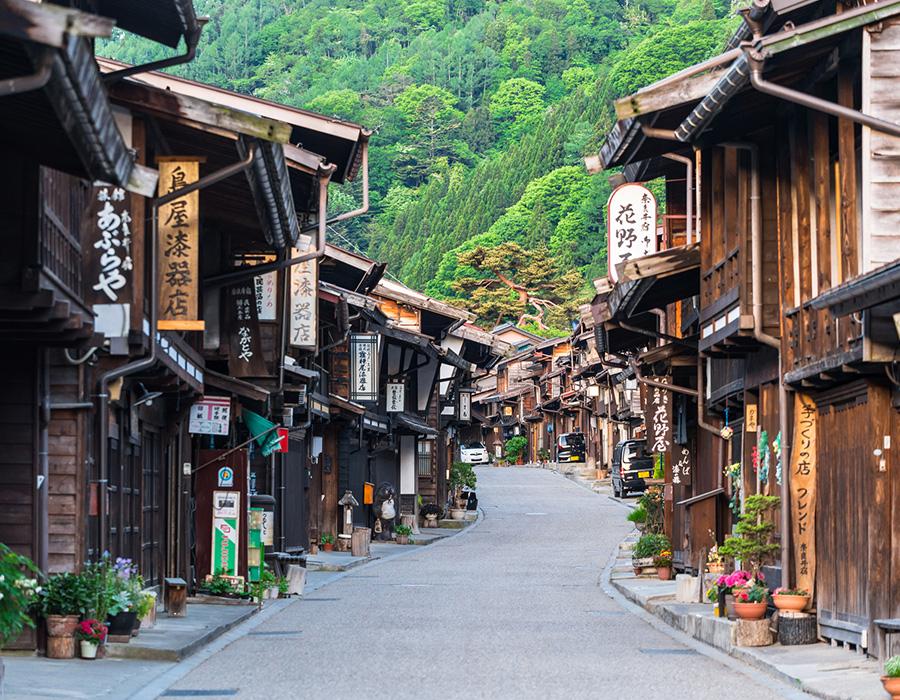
(203, 115)
(849, 236)
(655, 98)
(48, 24)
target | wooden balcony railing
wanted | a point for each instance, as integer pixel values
(722, 277)
(816, 337)
(63, 202)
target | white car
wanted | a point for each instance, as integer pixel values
(474, 453)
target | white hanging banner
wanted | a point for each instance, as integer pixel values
(364, 367)
(304, 301)
(465, 406)
(630, 225)
(395, 397)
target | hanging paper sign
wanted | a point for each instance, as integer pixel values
(465, 406)
(751, 418)
(395, 397)
(682, 467)
(266, 295)
(245, 357)
(364, 367)
(210, 416)
(659, 417)
(179, 267)
(225, 532)
(304, 302)
(803, 491)
(630, 225)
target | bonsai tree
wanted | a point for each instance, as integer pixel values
(752, 541)
(462, 475)
(515, 448)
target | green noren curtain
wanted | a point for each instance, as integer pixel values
(263, 431)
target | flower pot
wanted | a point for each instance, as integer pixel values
(88, 650)
(750, 611)
(715, 568)
(795, 603)
(61, 625)
(637, 570)
(457, 513)
(328, 546)
(664, 572)
(121, 625)
(61, 647)
(431, 520)
(402, 539)
(891, 686)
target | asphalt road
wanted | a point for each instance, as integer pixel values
(510, 608)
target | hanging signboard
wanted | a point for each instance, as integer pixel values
(681, 466)
(465, 406)
(803, 491)
(109, 265)
(630, 225)
(265, 286)
(364, 367)
(751, 418)
(210, 416)
(304, 301)
(245, 358)
(395, 397)
(225, 532)
(179, 268)
(659, 417)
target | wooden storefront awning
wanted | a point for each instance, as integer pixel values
(237, 387)
(340, 404)
(413, 424)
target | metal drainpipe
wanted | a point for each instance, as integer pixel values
(33, 81)
(43, 497)
(191, 40)
(669, 387)
(150, 359)
(689, 187)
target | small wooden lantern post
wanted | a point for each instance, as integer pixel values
(176, 597)
(348, 501)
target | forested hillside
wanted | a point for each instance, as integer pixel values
(482, 110)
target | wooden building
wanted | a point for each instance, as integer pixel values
(784, 146)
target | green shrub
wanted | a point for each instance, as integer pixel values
(892, 667)
(65, 594)
(403, 530)
(638, 515)
(650, 545)
(462, 475)
(515, 448)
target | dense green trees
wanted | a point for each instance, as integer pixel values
(482, 111)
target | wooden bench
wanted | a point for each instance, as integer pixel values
(886, 627)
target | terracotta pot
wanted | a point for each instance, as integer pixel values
(891, 686)
(328, 546)
(750, 611)
(61, 625)
(402, 539)
(457, 513)
(637, 570)
(795, 603)
(715, 568)
(664, 572)
(88, 650)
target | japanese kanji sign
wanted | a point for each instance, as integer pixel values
(681, 466)
(658, 415)
(179, 269)
(245, 357)
(364, 367)
(110, 266)
(803, 491)
(210, 416)
(465, 406)
(304, 301)
(395, 397)
(630, 224)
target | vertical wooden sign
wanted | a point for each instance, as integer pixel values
(245, 358)
(659, 417)
(179, 242)
(682, 468)
(304, 302)
(803, 492)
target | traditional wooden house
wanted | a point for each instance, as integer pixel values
(787, 139)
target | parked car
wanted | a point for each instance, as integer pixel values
(474, 453)
(570, 447)
(630, 466)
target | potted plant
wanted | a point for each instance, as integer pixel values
(462, 476)
(647, 548)
(126, 585)
(790, 599)
(18, 587)
(266, 587)
(402, 533)
(651, 502)
(544, 455)
(751, 603)
(62, 602)
(431, 512)
(90, 634)
(222, 586)
(327, 542)
(663, 563)
(515, 448)
(891, 678)
(638, 516)
(146, 605)
(752, 541)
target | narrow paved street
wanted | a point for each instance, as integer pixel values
(511, 608)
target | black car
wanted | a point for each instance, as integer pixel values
(570, 447)
(630, 466)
